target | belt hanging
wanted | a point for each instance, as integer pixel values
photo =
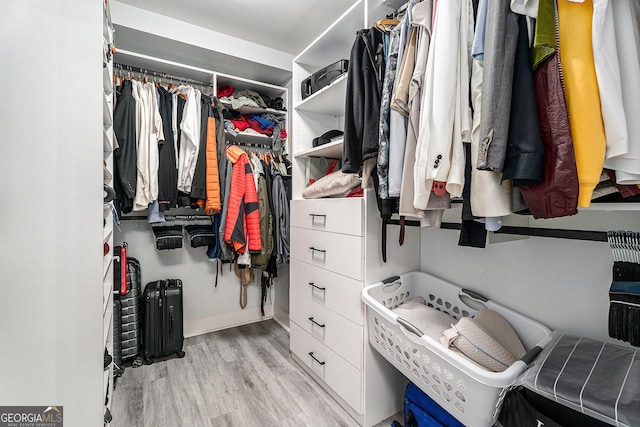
(384, 240)
(243, 295)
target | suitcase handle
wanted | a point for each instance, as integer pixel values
(124, 288)
(171, 320)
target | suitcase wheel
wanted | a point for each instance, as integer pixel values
(180, 354)
(137, 362)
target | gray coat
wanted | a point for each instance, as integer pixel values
(501, 37)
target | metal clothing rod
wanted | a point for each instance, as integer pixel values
(134, 218)
(159, 74)
(167, 217)
(252, 145)
(558, 233)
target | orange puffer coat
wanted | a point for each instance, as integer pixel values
(212, 205)
(242, 228)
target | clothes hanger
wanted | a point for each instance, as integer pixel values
(388, 22)
(385, 25)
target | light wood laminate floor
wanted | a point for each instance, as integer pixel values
(242, 376)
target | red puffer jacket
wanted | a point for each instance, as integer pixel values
(242, 229)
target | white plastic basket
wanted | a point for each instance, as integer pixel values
(469, 392)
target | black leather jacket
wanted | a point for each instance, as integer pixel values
(362, 108)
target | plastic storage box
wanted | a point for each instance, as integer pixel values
(468, 391)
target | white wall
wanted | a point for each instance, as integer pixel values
(206, 307)
(562, 283)
(51, 207)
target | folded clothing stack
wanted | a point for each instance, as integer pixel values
(167, 236)
(200, 235)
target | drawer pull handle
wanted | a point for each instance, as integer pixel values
(324, 251)
(317, 287)
(315, 358)
(316, 323)
(313, 216)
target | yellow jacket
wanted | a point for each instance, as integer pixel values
(581, 91)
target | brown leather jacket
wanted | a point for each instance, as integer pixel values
(557, 194)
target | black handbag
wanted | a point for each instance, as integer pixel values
(518, 412)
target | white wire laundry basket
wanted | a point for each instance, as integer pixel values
(468, 391)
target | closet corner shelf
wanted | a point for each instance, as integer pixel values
(106, 264)
(329, 100)
(332, 150)
(107, 148)
(247, 138)
(106, 234)
(107, 297)
(108, 320)
(106, 381)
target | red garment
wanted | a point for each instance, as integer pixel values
(225, 91)
(624, 190)
(255, 125)
(242, 229)
(356, 192)
(240, 124)
(283, 134)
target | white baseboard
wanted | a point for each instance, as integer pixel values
(217, 322)
(281, 317)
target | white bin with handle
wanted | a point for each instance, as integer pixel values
(468, 391)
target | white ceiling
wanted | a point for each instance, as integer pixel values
(285, 25)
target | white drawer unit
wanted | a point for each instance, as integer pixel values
(335, 243)
(333, 215)
(337, 373)
(331, 329)
(327, 288)
(341, 253)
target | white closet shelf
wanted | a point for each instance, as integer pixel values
(240, 84)
(107, 84)
(248, 138)
(108, 321)
(245, 109)
(147, 62)
(329, 100)
(335, 42)
(107, 234)
(331, 150)
(106, 379)
(107, 147)
(107, 111)
(106, 263)
(107, 296)
(612, 207)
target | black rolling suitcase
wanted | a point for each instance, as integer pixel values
(118, 369)
(129, 293)
(163, 334)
